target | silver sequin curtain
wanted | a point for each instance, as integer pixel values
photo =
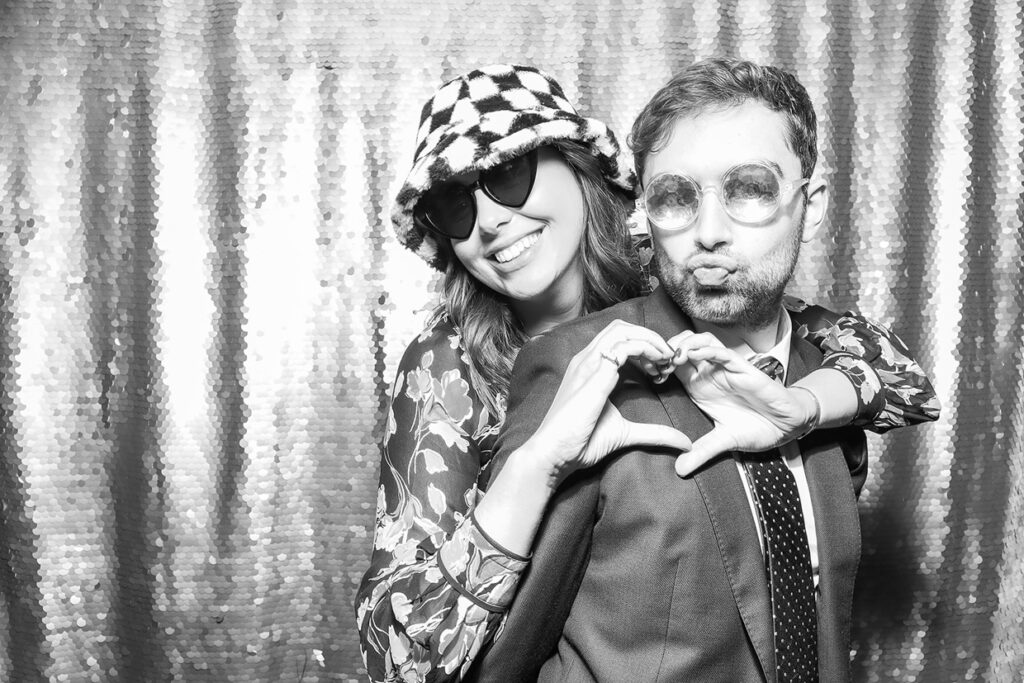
(202, 305)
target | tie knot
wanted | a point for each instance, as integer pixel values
(769, 365)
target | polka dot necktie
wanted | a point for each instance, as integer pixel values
(787, 558)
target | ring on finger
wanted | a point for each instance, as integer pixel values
(611, 359)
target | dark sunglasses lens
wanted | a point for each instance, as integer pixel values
(510, 182)
(450, 209)
(447, 209)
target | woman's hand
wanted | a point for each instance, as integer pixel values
(751, 411)
(581, 426)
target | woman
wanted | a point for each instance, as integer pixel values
(521, 202)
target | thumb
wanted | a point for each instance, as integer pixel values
(706, 448)
(646, 434)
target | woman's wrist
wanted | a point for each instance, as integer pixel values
(535, 463)
(836, 396)
(812, 409)
(513, 505)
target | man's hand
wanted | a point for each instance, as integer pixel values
(751, 411)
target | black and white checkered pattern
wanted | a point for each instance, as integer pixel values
(485, 117)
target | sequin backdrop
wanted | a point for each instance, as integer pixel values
(202, 305)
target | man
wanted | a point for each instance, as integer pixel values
(744, 571)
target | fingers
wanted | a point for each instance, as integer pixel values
(594, 371)
(719, 355)
(694, 339)
(694, 350)
(687, 342)
(620, 342)
(619, 330)
(639, 348)
(645, 434)
(659, 372)
(704, 449)
(678, 339)
(648, 357)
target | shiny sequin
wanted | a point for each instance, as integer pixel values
(202, 306)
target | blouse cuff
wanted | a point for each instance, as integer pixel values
(494, 544)
(866, 383)
(479, 568)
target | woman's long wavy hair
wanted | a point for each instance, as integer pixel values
(491, 333)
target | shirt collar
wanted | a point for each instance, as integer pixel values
(783, 335)
(781, 349)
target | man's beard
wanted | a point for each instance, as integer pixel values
(749, 298)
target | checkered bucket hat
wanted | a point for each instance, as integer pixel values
(488, 116)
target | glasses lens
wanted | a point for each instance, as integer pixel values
(751, 193)
(510, 182)
(447, 209)
(671, 201)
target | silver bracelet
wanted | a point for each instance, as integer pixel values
(815, 418)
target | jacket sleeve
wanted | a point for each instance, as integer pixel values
(892, 388)
(562, 547)
(437, 587)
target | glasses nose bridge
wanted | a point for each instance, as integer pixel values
(711, 224)
(714, 189)
(701, 193)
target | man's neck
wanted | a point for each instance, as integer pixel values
(745, 339)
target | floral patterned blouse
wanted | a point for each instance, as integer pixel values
(438, 587)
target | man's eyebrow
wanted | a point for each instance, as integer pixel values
(774, 166)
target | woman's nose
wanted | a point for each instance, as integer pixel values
(490, 215)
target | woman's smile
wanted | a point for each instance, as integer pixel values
(517, 248)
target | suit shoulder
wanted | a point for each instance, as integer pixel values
(572, 336)
(808, 352)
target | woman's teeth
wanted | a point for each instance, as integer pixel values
(509, 253)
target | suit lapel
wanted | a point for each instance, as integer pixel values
(723, 495)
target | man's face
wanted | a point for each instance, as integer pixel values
(717, 269)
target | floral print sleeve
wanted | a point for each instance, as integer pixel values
(892, 389)
(438, 586)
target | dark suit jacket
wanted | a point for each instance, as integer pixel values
(638, 575)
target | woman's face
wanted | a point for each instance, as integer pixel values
(531, 252)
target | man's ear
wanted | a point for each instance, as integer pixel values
(815, 208)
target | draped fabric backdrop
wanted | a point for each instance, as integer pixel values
(202, 305)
